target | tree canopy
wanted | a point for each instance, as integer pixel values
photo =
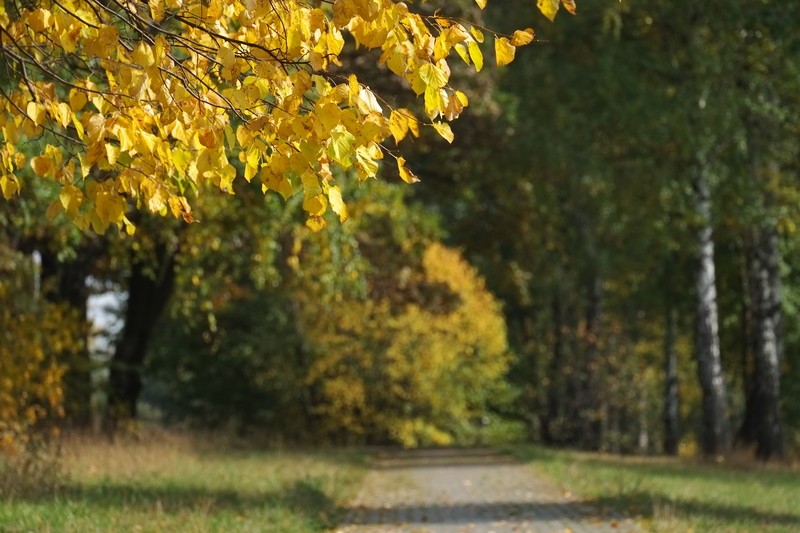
(144, 103)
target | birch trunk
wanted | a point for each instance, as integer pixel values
(716, 435)
(762, 421)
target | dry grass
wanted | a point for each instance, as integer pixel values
(164, 481)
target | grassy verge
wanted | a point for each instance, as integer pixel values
(669, 495)
(179, 483)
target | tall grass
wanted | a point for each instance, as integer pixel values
(173, 482)
(670, 495)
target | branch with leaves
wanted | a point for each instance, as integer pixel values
(141, 104)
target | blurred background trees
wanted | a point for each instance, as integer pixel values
(605, 259)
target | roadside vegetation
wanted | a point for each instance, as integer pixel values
(673, 494)
(177, 482)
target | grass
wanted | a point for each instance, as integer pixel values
(670, 495)
(170, 482)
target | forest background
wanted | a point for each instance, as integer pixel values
(604, 258)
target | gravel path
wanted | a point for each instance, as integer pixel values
(467, 491)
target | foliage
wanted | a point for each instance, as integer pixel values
(36, 337)
(349, 335)
(142, 103)
(412, 373)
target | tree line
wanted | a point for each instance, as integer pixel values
(626, 189)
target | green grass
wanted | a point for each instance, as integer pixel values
(671, 495)
(176, 483)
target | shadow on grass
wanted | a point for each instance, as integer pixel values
(650, 467)
(302, 498)
(645, 504)
(644, 476)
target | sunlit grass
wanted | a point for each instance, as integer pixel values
(169, 482)
(669, 495)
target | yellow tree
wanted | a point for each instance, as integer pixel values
(36, 338)
(412, 372)
(140, 103)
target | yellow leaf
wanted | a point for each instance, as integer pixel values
(178, 206)
(462, 52)
(316, 223)
(143, 55)
(504, 51)
(481, 3)
(477, 33)
(102, 45)
(340, 146)
(366, 163)
(207, 138)
(444, 130)
(549, 8)
(9, 185)
(398, 125)
(570, 6)
(62, 113)
(434, 101)
(77, 99)
(316, 205)
(366, 102)
(405, 174)
(71, 199)
(37, 113)
(413, 123)
(112, 153)
(109, 206)
(337, 204)
(522, 37)
(41, 166)
(476, 55)
(432, 75)
(455, 105)
(39, 20)
(284, 188)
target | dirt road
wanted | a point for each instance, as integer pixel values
(468, 491)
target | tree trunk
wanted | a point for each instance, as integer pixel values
(715, 434)
(551, 413)
(68, 286)
(671, 393)
(590, 414)
(762, 421)
(147, 297)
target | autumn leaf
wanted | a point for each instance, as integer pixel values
(444, 130)
(522, 37)
(549, 8)
(405, 174)
(476, 55)
(220, 81)
(337, 205)
(504, 51)
(398, 125)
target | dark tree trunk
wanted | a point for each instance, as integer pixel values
(671, 415)
(551, 413)
(715, 432)
(762, 422)
(67, 283)
(590, 437)
(147, 297)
